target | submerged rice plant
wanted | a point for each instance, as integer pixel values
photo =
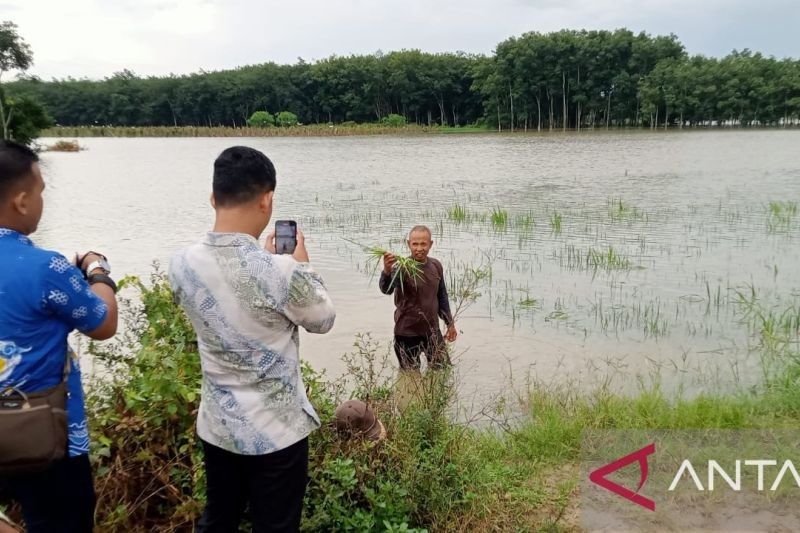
(525, 222)
(606, 259)
(458, 213)
(781, 215)
(499, 217)
(619, 210)
(555, 222)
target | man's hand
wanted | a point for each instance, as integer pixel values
(83, 262)
(300, 253)
(270, 245)
(452, 333)
(388, 262)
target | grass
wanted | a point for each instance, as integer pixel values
(64, 146)
(310, 130)
(431, 474)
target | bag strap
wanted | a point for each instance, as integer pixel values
(67, 365)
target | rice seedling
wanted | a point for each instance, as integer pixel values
(607, 260)
(528, 303)
(525, 222)
(555, 222)
(619, 210)
(406, 268)
(457, 213)
(780, 215)
(499, 218)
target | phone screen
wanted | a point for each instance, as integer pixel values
(285, 236)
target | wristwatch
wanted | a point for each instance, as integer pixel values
(105, 279)
(101, 263)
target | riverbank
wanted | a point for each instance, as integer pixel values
(312, 130)
(430, 474)
(341, 130)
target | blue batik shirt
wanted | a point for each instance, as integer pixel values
(42, 299)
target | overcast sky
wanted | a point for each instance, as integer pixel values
(95, 38)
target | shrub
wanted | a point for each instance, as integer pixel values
(261, 119)
(286, 119)
(394, 120)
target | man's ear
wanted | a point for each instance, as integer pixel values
(213, 201)
(19, 202)
(266, 200)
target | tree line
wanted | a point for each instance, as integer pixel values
(562, 80)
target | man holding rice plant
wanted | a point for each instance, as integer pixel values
(420, 298)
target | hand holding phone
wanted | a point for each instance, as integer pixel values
(300, 254)
(285, 236)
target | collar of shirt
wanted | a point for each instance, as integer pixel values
(213, 238)
(6, 233)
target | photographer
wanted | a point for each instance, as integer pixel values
(246, 304)
(44, 461)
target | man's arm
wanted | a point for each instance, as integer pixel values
(385, 282)
(309, 304)
(90, 310)
(444, 311)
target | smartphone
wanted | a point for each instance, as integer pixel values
(285, 236)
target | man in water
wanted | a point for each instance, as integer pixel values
(43, 299)
(246, 304)
(420, 302)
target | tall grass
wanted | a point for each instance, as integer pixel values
(310, 130)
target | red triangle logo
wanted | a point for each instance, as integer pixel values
(640, 456)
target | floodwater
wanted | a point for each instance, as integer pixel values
(614, 257)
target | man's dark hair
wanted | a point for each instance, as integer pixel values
(16, 161)
(240, 175)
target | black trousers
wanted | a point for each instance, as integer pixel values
(60, 499)
(273, 484)
(408, 350)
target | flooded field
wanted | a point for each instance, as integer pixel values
(596, 258)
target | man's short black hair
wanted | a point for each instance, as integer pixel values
(16, 161)
(240, 175)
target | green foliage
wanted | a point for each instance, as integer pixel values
(15, 53)
(429, 473)
(25, 118)
(394, 120)
(425, 475)
(144, 449)
(261, 119)
(21, 118)
(286, 119)
(566, 79)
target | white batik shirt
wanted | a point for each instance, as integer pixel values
(246, 305)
